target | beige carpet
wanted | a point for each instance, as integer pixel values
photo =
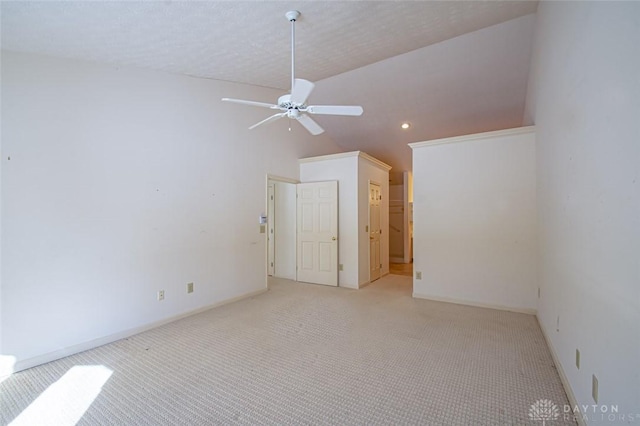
(306, 354)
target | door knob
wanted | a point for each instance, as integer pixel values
(333, 238)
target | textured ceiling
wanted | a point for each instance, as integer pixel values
(249, 42)
(470, 84)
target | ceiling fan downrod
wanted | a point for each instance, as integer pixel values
(293, 105)
(292, 16)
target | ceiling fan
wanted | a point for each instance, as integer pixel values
(294, 104)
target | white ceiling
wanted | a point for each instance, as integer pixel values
(472, 83)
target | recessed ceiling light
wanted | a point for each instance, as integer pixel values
(405, 125)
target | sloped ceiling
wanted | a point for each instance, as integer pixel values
(464, 81)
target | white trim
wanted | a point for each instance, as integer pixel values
(374, 161)
(329, 157)
(527, 311)
(349, 286)
(281, 179)
(563, 377)
(475, 137)
(365, 284)
(92, 344)
(360, 154)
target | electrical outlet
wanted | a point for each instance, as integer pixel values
(538, 292)
(190, 288)
(418, 275)
(578, 359)
(341, 267)
(161, 295)
(558, 324)
(594, 388)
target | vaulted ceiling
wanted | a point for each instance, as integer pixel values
(448, 68)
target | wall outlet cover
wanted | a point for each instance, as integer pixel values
(578, 359)
(418, 275)
(190, 288)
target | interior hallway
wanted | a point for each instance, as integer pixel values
(405, 269)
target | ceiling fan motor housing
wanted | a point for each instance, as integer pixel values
(284, 102)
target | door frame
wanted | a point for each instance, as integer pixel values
(271, 236)
(271, 177)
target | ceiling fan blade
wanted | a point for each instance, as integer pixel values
(313, 127)
(269, 119)
(301, 91)
(252, 103)
(335, 109)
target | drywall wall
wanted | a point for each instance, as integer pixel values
(584, 98)
(474, 201)
(117, 183)
(285, 230)
(343, 169)
(374, 171)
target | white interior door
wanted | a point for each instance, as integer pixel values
(317, 234)
(375, 264)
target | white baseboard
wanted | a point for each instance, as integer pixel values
(563, 377)
(91, 344)
(476, 304)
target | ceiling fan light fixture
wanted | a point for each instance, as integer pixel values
(405, 126)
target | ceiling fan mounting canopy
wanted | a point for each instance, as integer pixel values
(292, 15)
(293, 105)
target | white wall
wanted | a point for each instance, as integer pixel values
(584, 98)
(474, 219)
(285, 230)
(372, 172)
(123, 182)
(344, 170)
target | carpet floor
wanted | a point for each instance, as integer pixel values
(304, 354)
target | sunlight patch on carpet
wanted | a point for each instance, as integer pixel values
(65, 401)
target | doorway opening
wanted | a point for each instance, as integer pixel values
(281, 227)
(401, 223)
(302, 231)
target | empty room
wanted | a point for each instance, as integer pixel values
(320, 212)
